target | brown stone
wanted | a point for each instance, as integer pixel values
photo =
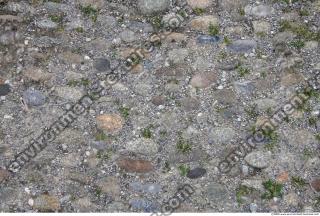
(36, 74)
(47, 203)
(158, 100)
(110, 123)
(291, 79)
(315, 184)
(110, 186)
(203, 80)
(283, 177)
(203, 4)
(4, 174)
(202, 23)
(175, 37)
(139, 166)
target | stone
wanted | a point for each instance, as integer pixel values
(258, 159)
(253, 207)
(259, 11)
(34, 98)
(128, 36)
(148, 7)
(36, 74)
(110, 186)
(175, 37)
(4, 89)
(46, 24)
(216, 193)
(245, 88)
(196, 173)
(158, 100)
(97, 4)
(261, 26)
(265, 104)
(253, 183)
(190, 104)
(142, 146)
(143, 205)
(111, 123)
(205, 39)
(4, 175)
(102, 64)
(291, 199)
(242, 46)
(202, 23)
(9, 37)
(315, 184)
(221, 135)
(69, 93)
(202, 4)
(283, 177)
(46, 203)
(291, 79)
(145, 188)
(177, 56)
(232, 4)
(139, 166)
(203, 80)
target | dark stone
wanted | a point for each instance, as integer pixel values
(196, 173)
(4, 89)
(204, 39)
(102, 65)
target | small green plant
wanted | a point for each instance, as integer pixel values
(81, 82)
(226, 40)
(307, 153)
(317, 136)
(242, 71)
(303, 12)
(166, 167)
(312, 121)
(242, 191)
(273, 189)
(251, 112)
(298, 44)
(241, 12)
(183, 169)
(104, 155)
(198, 11)
(90, 11)
(124, 111)
(317, 202)
(298, 182)
(98, 191)
(146, 133)
(100, 136)
(163, 133)
(56, 18)
(263, 74)
(213, 30)
(301, 30)
(79, 29)
(157, 22)
(223, 55)
(183, 146)
(261, 34)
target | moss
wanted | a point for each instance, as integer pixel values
(90, 11)
(307, 153)
(242, 191)
(226, 40)
(79, 29)
(56, 18)
(183, 169)
(301, 30)
(273, 189)
(213, 30)
(104, 155)
(298, 182)
(100, 136)
(298, 44)
(242, 71)
(183, 146)
(146, 132)
(241, 12)
(199, 11)
(124, 111)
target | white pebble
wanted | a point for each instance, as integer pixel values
(30, 202)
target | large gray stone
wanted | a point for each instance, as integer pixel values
(151, 6)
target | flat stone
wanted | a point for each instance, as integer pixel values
(196, 173)
(46, 203)
(202, 23)
(110, 123)
(265, 103)
(221, 135)
(205, 39)
(150, 6)
(259, 11)
(258, 159)
(145, 188)
(190, 104)
(37, 74)
(242, 46)
(203, 80)
(315, 184)
(4, 174)
(4, 89)
(143, 205)
(110, 186)
(34, 98)
(128, 36)
(202, 4)
(142, 146)
(291, 199)
(139, 166)
(46, 24)
(177, 56)
(216, 193)
(244, 87)
(69, 93)
(102, 64)
(158, 100)
(261, 26)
